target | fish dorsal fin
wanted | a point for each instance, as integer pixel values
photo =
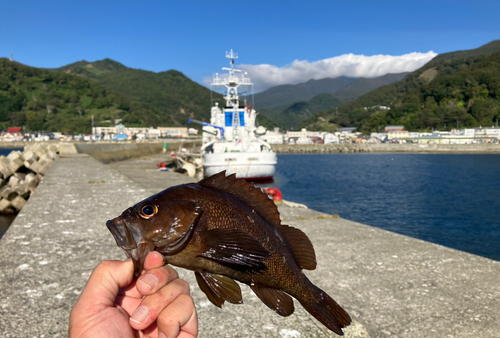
(300, 245)
(251, 196)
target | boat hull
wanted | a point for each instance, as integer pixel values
(254, 166)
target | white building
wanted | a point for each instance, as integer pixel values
(331, 138)
(273, 137)
(297, 137)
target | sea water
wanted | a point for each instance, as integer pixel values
(448, 199)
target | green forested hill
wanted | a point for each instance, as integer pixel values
(171, 96)
(448, 91)
(64, 99)
(299, 102)
(290, 116)
(38, 99)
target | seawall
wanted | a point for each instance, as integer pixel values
(395, 285)
(386, 148)
(107, 152)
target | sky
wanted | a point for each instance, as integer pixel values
(278, 42)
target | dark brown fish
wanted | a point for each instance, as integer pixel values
(225, 229)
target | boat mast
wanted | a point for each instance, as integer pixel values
(232, 83)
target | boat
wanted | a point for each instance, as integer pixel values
(230, 140)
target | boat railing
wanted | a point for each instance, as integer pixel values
(231, 80)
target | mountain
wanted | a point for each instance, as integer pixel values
(290, 116)
(38, 99)
(65, 99)
(288, 94)
(364, 85)
(453, 88)
(171, 96)
(489, 48)
(332, 92)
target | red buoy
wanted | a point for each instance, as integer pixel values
(275, 192)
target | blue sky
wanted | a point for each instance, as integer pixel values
(193, 36)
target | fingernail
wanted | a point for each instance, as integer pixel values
(161, 335)
(149, 280)
(140, 315)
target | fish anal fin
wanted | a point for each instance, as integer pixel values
(233, 248)
(219, 288)
(300, 245)
(276, 300)
(246, 192)
(207, 290)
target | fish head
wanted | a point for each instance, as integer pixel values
(156, 223)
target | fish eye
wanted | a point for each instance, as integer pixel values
(148, 211)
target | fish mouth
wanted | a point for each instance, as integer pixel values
(125, 240)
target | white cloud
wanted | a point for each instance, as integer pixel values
(265, 76)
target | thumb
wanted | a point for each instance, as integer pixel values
(105, 282)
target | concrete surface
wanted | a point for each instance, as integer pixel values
(394, 285)
(107, 152)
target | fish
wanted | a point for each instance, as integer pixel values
(226, 230)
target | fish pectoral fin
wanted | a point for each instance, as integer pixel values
(233, 248)
(219, 288)
(276, 300)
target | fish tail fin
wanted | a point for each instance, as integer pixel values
(326, 310)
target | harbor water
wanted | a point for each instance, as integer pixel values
(447, 199)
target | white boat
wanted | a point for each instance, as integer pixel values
(230, 142)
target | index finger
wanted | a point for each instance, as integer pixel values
(154, 260)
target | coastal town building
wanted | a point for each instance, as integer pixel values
(297, 137)
(331, 138)
(142, 132)
(273, 136)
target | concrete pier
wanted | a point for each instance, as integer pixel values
(394, 285)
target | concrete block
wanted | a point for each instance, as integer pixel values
(13, 181)
(16, 160)
(40, 152)
(5, 167)
(18, 203)
(67, 148)
(54, 147)
(13, 155)
(42, 166)
(4, 204)
(52, 154)
(29, 156)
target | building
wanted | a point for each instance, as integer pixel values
(330, 138)
(394, 128)
(297, 137)
(273, 137)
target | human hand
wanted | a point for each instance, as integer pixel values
(114, 304)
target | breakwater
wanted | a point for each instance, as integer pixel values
(393, 284)
(385, 148)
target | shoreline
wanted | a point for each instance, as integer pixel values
(343, 148)
(479, 148)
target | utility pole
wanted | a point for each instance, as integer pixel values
(92, 131)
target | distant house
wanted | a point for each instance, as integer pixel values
(12, 134)
(394, 128)
(347, 130)
(13, 130)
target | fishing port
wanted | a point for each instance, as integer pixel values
(390, 284)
